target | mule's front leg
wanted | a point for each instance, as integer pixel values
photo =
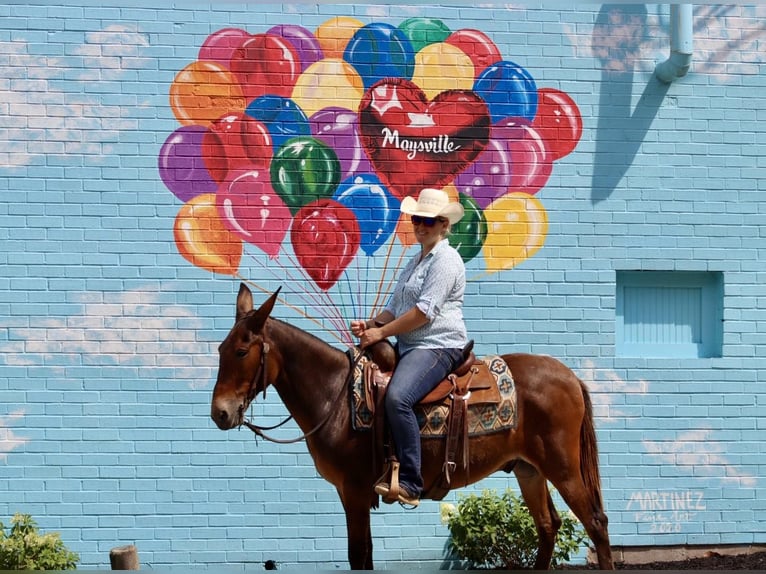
(357, 508)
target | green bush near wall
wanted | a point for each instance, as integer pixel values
(493, 531)
(24, 548)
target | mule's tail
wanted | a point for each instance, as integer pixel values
(589, 452)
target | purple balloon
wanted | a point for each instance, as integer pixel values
(339, 128)
(489, 176)
(305, 43)
(181, 166)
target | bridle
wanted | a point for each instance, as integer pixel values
(260, 376)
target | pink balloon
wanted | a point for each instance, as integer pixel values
(251, 209)
(220, 45)
(531, 161)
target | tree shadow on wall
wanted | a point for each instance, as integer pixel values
(618, 37)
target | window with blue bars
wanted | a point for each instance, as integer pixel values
(669, 314)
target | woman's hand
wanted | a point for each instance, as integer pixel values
(358, 327)
(370, 336)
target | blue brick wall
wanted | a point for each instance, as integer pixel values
(108, 335)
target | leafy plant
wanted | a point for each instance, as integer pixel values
(492, 531)
(23, 548)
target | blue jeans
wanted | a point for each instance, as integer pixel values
(417, 373)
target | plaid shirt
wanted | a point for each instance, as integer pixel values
(436, 286)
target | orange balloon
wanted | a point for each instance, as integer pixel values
(404, 230)
(333, 35)
(203, 240)
(204, 91)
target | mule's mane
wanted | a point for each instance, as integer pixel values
(309, 342)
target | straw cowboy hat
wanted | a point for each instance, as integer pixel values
(433, 203)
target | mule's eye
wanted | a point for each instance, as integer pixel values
(241, 352)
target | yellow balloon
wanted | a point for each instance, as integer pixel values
(517, 225)
(203, 240)
(328, 82)
(204, 91)
(442, 66)
(334, 34)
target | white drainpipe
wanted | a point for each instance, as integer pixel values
(681, 43)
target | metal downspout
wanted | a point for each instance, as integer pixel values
(681, 44)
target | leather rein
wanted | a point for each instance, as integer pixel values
(260, 376)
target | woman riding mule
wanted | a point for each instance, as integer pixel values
(425, 313)
(553, 440)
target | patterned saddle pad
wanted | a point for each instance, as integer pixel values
(482, 418)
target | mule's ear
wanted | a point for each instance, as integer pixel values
(258, 319)
(244, 301)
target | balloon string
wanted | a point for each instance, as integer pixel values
(310, 300)
(392, 279)
(284, 302)
(326, 302)
(382, 277)
(366, 288)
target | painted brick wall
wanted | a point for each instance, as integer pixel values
(108, 335)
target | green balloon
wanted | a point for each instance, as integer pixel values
(303, 170)
(424, 31)
(468, 234)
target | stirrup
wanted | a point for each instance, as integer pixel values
(388, 484)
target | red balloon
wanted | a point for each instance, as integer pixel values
(531, 162)
(325, 237)
(233, 141)
(219, 46)
(266, 64)
(477, 46)
(558, 121)
(251, 209)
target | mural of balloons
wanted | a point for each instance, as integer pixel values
(469, 234)
(181, 165)
(321, 133)
(232, 141)
(250, 208)
(325, 238)
(517, 225)
(558, 121)
(376, 210)
(203, 240)
(303, 170)
(203, 91)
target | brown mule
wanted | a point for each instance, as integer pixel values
(554, 439)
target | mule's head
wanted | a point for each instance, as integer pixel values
(243, 370)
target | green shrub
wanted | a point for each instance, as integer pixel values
(23, 548)
(491, 531)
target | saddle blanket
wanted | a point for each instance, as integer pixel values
(482, 418)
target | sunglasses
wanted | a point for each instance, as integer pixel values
(427, 221)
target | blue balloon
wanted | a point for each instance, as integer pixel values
(379, 51)
(376, 209)
(283, 118)
(509, 90)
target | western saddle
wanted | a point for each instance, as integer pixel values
(471, 382)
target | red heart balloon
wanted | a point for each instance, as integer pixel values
(414, 143)
(325, 237)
